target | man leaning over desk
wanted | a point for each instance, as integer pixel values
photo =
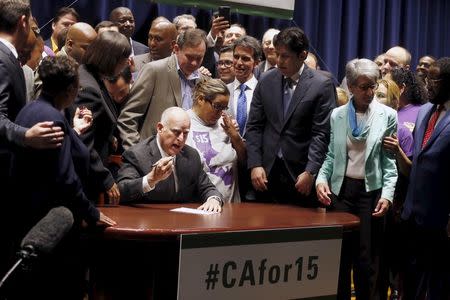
(162, 169)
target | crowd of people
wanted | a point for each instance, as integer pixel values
(221, 117)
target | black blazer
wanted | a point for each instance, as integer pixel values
(193, 183)
(51, 177)
(98, 137)
(12, 99)
(302, 135)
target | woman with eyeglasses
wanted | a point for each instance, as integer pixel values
(216, 137)
(105, 59)
(358, 176)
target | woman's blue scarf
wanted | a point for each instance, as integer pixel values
(359, 131)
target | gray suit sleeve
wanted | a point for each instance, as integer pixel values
(255, 128)
(130, 179)
(320, 131)
(130, 118)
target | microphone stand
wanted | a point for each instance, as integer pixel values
(25, 255)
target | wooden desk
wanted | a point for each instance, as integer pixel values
(153, 221)
(146, 238)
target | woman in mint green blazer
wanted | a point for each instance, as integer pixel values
(359, 176)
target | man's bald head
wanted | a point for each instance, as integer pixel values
(79, 37)
(172, 114)
(161, 39)
(173, 130)
(160, 19)
(124, 18)
(396, 57)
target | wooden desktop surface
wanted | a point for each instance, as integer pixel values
(144, 244)
(148, 221)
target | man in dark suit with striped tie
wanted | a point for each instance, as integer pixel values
(427, 206)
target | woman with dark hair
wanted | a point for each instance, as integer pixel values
(105, 58)
(412, 95)
(44, 179)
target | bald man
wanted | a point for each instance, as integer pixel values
(123, 17)
(79, 37)
(161, 39)
(163, 169)
(396, 57)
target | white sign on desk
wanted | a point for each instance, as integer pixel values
(267, 264)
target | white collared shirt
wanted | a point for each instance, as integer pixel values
(296, 77)
(251, 85)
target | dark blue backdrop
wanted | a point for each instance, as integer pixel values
(339, 30)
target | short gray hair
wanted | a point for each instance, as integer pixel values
(247, 41)
(177, 19)
(361, 67)
(171, 113)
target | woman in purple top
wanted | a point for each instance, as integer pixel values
(412, 95)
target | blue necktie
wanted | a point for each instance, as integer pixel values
(241, 111)
(287, 94)
(186, 101)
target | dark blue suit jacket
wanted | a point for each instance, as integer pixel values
(302, 135)
(52, 177)
(428, 197)
(12, 99)
(139, 48)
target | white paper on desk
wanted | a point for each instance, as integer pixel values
(194, 211)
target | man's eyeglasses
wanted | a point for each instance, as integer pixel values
(366, 87)
(218, 107)
(225, 63)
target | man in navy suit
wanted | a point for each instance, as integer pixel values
(288, 126)
(16, 39)
(427, 206)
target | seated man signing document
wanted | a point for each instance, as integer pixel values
(162, 169)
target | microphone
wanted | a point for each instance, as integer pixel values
(47, 233)
(43, 237)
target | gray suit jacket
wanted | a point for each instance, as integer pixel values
(157, 87)
(193, 183)
(141, 60)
